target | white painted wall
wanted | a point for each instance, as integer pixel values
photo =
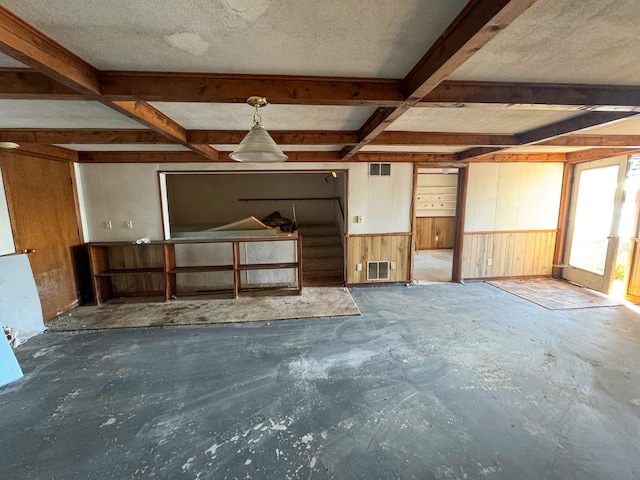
(121, 192)
(513, 196)
(6, 235)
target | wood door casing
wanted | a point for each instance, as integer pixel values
(43, 218)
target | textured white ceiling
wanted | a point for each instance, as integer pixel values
(629, 126)
(161, 147)
(230, 116)
(543, 149)
(8, 62)
(60, 114)
(476, 120)
(568, 41)
(377, 38)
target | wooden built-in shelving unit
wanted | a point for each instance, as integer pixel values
(125, 269)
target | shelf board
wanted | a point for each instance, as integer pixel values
(202, 269)
(130, 271)
(267, 266)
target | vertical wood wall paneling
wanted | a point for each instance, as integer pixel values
(370, 248)
(435, 232)
(137, 256)
(42, 210)
(512, 254)
(563, 219)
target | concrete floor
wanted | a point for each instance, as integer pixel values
(433, 266)
(443, 381)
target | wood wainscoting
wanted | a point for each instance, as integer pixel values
(511, 253)
(392, 247)
(435, 232)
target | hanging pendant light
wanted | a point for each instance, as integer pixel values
(257, 145)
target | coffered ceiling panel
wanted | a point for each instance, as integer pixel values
(8, 62)
(214, 116)
(476, 120)
(568, 41)
(385, 39)
(60, 114)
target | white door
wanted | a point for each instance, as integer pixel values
(592, 241)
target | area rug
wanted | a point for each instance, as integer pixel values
(314, 302)
(554, 294)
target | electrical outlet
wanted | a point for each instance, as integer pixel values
(393, 265)
(359, 267)
(107, 225)
(489, 262)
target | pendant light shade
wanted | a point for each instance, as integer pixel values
(257, 145)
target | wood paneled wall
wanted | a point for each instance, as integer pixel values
(137, 256)
(430, 228)
(369, 248)
(512, 253)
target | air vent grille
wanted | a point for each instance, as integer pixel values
(378, 270)
(380, 169)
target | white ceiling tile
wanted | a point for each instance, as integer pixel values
(125, 148)
(60, 114)
(377, 38)
(476, 120)
(228, 116)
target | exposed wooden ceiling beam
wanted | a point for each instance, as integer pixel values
(82, 136)
(227, 88)
(50, 152)
(557, 129)
(281, 137)
(474, 27)
(31, 47)
(599, 153)
(457, 94)
(157, 121)
(520, 157)
(442, 138)
(578, 140)
(24, 84)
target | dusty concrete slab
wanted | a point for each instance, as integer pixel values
(431, 382)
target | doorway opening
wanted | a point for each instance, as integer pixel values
(435, 200)
(602, 234)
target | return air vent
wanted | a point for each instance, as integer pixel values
(378, 270)
(379, 169)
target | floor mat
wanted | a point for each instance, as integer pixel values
(314, 302)
(554, 294)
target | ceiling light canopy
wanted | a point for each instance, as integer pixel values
(257, 145)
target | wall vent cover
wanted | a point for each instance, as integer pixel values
(380, 169)
(378, 270)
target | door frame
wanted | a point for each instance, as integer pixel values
(601, 283)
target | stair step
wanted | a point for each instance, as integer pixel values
(322, 251)
(318, 230)
(318, 264)
(321, 241)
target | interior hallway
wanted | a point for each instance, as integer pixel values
(444, 381)
(433, 266)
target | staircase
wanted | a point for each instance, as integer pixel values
(322, 255)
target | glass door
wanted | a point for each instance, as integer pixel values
(592, 240)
